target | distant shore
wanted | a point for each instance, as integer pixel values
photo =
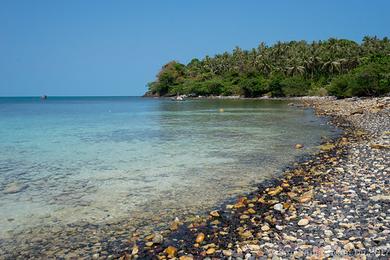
(334, 203)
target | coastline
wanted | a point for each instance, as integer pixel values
(314, 209)
(226, 230)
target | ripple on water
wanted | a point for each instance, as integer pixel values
(144, 160)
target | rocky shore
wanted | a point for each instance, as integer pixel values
(334, 204)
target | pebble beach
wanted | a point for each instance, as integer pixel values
(333, 204)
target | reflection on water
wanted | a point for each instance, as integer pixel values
(98, 159)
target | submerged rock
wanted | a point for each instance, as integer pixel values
(171, 251)
(14, 187)
(199, 238)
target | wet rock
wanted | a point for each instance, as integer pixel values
(158, 238)
(199, 238)
(171, 251)
(214, 213)
(327, 147)
(298, 146)
(210, 251)
(275, 191)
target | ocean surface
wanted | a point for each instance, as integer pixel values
(97, 159)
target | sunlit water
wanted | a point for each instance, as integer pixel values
(99, 159)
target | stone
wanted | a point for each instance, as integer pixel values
(14, 187)
(328, 233)
(349, 246)
(210, 251)
(171, 251)
(246, 234)
(95, 256)
(380, 198)
(278, 207)
(265, 228)
(199, 238)
(289, 238)
(278, 227)
(298, 146)
(380, 146)
(158, 238)
(327, 147)
(275, 191)
(253, 247)
(149, 244)
(134, 250)
(306, 197)
(186, 257)
(214, 213)
(303, 222)
(251, 211)
(174, 226)
(227, 252)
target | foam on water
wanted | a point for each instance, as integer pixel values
(98, 159)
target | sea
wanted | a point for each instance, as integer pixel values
(64, 160)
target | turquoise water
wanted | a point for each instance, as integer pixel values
(100, 159)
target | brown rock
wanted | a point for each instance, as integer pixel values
(303, 222)
(380, 146)
(134, 250)
(214, 213)
(227, 252)
(307, 196)
(275, 191)
(174, 226)
(210, 251)
(199, 238)
(171, 251)
(327, 147)
(186, 257)
(251, 211)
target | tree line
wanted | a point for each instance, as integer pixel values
(337, 67)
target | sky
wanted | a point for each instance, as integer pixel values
(114, 48)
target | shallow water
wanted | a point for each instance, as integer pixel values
(109, 158)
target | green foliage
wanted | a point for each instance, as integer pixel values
(370, 79)
(295, 86)
(253, 86)
(341, 67)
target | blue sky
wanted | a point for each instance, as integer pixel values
(94, 47)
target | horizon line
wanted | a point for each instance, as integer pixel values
(57, 96)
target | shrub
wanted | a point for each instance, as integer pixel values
(295, 86)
